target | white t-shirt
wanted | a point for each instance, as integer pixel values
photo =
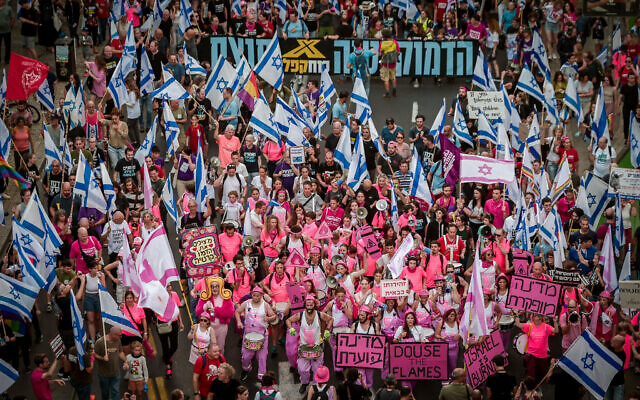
(256, 183)
(235, 182)
(116, 236)
(602, 162)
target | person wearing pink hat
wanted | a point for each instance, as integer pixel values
(538, 332)
(604, 318)
(365, 325)
(321, 376)
(445, 296)
(201, 335)
(341, 310)
(257, 316)
(314, 330)
(423, 307)
(488, 270)
(449, 331)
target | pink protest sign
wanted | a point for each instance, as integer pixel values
(360, 351)
(296, 260)
(323, 232)
(478, 359)
(534, 295)
(369, 241)
(296, 292)
(418, 361)
(522, 262)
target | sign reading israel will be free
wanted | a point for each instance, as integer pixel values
(307, 56)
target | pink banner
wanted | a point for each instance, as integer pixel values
(478, 359)
(295, 292)
(522, 262)
(360, 351)
(369, 241)
(534, 295)
(418, 361)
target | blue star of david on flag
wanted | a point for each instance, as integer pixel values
(588, 361)
(14, 293)
(26, 240)
(277, 61)
(221, 84)
(592, 199)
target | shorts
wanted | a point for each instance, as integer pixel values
(490, 56)
(552, 27)
(29, 42)
(92, 302)
(387, 74)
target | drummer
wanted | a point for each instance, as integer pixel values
(275, 285)
(316, 270)
(258, 314)
(292, 342)
(312, 322)
(449, 331)
(365, 325)
(538, 332)
(341, 310)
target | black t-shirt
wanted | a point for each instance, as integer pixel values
(352, 391)
(128, 169)
(618, 378)
(254, 31)
(224, 391)
(217, 8)
(332, 142)
(28, 29)
(327, 19)
(344, 31)
(370, 152)
(328, 171)
(630, 96)
(111, 64)
(501, 385)
(251, 156)
(394, 160)
(25, 172)
(166, 27)
(576, 237)
(370, 196)
(201, 110)
(54, 181)
(156, 61)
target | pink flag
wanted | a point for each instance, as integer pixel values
(155, 261)
(474, 321)
(155, 297)
(450, 161)
(130, 277)
(148, 190)
(486, 170)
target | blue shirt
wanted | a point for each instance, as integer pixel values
(352, 59)
(437, 181)
(339, 111)
(295, 30)
(232, 110)
(387, 136)
(587, 254)
(176, 70)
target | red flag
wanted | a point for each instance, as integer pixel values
(25, 76)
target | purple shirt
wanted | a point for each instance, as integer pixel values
(86, 212)
(288, 176)
(184, 172)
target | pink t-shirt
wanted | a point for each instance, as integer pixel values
(415, 277)
(91, 248)
(434, 267)
(40, 386)
(244, 281)
(476, 32)
(134, 314)
(278, 287)
(269, 242)
(272, 151)
(333, 218)
(226, 147)
(495, 208)
(229, 245)
(538, 339)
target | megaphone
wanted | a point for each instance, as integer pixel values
(362, 212)
(215, 162)
(332, 282)
(248, 241)
(381, 205)
(336, 259)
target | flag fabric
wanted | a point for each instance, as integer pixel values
(153, 22)
(5, 140)
(250, 92)
(118, 10)
(191, 65)
(201, 180)
(281, 6)
(184, 19)
(503, 147)
(394, 210)
(533, 139)
(473, 320)
(375, 138)
(87, 187)
(550, 227)
(169, 201)
(600, 122)
(329, 90)
(602, 56)
(130, 277)
(146, 72)
(147, 190)
(113, 29)
(171, 130)
(528, 84)
(571, 99)
(116, 87)
(236, 7)
(450, 161)
(47, 265)
(561, 181)
(358, 168)
(129, 58)
(485, 130)
(397, 261)
(149, 141)
(44, 96)
(8, 376)
(634, 140)
(25, 76)
(79, 117)
(512, 117)
(419, 187)
(550, 103)
(485, 170)
(591, 364)
(616, 43)
(540, 54)
(243, 72)
(269, 67)
(262, 121)
(592, 197)
(3, 89)
(79, 332)
(36, 221)
(170, 89)
(289, 124)
(609, 274)
(305, 115)
(322, 111)
(438, 122)
(460, 125)
(112, 314)
(360, 98)
(618, 238)
(482, 75)
(625, 275)
(18, 296)
(7, 171)
(342, 153)
(108, 189)
(223, 75)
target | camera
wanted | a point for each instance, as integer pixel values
(574, 317)
(485, 232)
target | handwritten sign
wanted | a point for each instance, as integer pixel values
(369, 241)
(297, 154)
(522, 262)
(360, 350)
(630, 294)
(625, 182)
(566, 278)
(394, 288)
(491, 104)
(295, 293)
(478, 359)
(201, 251)
(57, 346)
(418, 361)
(534, 295)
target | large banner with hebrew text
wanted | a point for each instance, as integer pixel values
(307, 56)
(537, 296)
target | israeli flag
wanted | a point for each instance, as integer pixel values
(289, 124)
(375, 138)
(617, 40)
(169, 201)
(17, 296)
(5, 140)
(118, 10)
(108, 189)
(602, 56)
(528, 84)
(482, 75)
(44, 96)
(236, 8)
(223, 75)
(117, 87)
(512, 117)
(171, 130)
(618, 237)
(153, 22)
(592, 197)
(329, 90)
(263, 122)
(550, 103)
(394, 209)
(419, 188)
(590, 363)
(129, 58)
(36, 221)
(634, 140)
(358, 168)
(342, 153)
(27, 257)
(201, 180)
(503, 147)
(51, 151)
(359, 96)
(80, 106)
(191, 65)
(184, 19)
(87, 187)
(533, 140)
(600, 122)
(112, 314)
(170, 89)
(281, 6)
(112, 26)
(243, 72)
(460, 125)
(149, 141)
(572, 99)
(540, 54)
(8, 375)
(438, 123)
(270, 65)
(79, 333)
(146, 73)
(485, 129)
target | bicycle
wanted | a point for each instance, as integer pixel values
(35, 113)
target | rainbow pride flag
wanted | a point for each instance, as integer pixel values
(7, 171)
(250, 91)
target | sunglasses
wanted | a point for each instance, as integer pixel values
(204, 320)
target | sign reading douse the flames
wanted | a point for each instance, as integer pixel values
(307, 56)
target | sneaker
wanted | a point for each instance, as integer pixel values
(303, 388)
(244, 376)
(387, 95)
(416, 84)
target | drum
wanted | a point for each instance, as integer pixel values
(309, 352)
(520, 343)
(341, 329)
(428, 333)
(507, 322)
(253, 341)
(323, 299)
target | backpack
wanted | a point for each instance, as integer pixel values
(320, 394)
(264, 396)
(389, 53)
(204, 362)
(361, 65)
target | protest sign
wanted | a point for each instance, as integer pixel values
(522, 262)
(296, 260)
(295, 293)
(491, 104)
(57, 346)
(418, 361)
(323, 232)
(201, 251)
(626, 182)
(534, 295)
(630, 294)
(394, 288)
(360, 350)
(297, 154)
(369, 241)
(478, 359)
(566, 278)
